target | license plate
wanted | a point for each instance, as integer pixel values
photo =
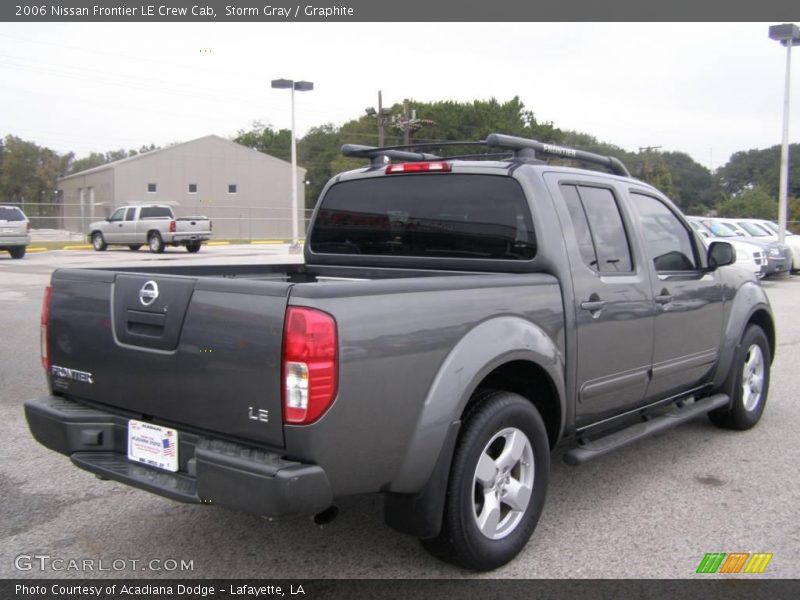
(153, 445)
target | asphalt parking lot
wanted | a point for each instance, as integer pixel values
(650, 510)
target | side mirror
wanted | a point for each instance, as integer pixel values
(720, 254)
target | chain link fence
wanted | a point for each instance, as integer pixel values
(229, 222)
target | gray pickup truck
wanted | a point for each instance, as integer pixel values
(152, 224)
(454, 322)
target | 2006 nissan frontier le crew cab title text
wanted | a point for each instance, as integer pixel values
(455, 320)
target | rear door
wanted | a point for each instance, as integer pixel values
(688, 299)
(13, 223)
(612, 298)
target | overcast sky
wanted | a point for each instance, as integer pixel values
(705, 89)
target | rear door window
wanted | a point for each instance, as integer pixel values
(440, 215)
(599, 230)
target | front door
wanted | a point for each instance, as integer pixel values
(688, 298)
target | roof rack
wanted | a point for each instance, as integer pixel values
(520, 149)
(525, 149)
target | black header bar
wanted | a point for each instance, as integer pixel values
(396, 10)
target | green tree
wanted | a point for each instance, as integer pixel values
(267, 140)
(28, 175)
(760, 168)
(752, 203)
(317, 153)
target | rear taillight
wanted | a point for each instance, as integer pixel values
(310, 364)
(211, 225)
(419, 167)
(172, 226)
(29, 227)
(45, 324)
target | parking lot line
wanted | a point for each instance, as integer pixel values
(80, 247)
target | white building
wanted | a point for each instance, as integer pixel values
(246, 193)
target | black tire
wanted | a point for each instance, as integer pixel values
(469, 536)
(155, 243)
(747, 383)
(134, 247)
(193, 248)
(98, 241)
(17, 252)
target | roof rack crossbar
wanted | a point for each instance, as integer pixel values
(525, 149)
(381, 156)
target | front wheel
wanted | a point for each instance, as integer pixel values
(98, 241)
(747, 383)
(155, 243)
(498, 482)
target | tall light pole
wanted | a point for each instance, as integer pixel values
(300, 86)
(787, 34)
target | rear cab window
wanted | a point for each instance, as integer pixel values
(155, 212)
(456, 215)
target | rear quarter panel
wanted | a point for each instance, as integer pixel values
(396, 337)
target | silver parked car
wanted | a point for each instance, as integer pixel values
(14, 228)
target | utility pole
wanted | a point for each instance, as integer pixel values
(382, 114)
(646, 164)
(380, 119)
(406, 124)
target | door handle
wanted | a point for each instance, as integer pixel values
(664, 297)
(593, 305)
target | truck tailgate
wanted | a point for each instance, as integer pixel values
(191, 224)
(198, 352)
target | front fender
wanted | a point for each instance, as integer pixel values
(750, 299)
(490, 344)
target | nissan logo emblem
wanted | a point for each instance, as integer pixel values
(149, 293)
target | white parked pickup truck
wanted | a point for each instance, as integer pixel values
(152, 224)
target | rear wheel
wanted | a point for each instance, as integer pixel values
(747, 383)
(98, 241)
(155, 243)
(17, 252)
(134, 247)
(497, 485)
(193, 247)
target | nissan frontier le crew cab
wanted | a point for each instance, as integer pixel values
(454, 321)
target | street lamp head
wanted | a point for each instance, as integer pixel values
(370, 111)
(303, 86)
(787, 34)
(282, 84)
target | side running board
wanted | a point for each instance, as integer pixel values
(588, 450)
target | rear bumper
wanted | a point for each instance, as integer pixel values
(184, 238)
(14, 240)
(210, 471)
